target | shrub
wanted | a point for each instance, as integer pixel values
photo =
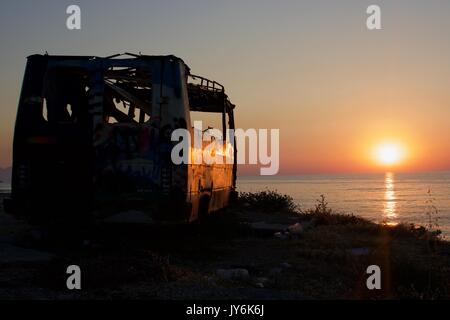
(324, 215)
(268, 200)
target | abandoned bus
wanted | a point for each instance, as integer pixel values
(92, 140)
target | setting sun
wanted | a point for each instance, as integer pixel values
(389, 153)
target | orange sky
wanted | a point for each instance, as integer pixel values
(312, 69)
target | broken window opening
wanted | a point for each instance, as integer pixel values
(64, 98)
(208, 97)
(128, 95)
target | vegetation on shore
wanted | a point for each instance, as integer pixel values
(338, 246)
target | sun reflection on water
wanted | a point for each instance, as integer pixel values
(389, 210)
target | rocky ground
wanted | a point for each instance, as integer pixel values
(254, 250)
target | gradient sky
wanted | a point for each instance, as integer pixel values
(309, 68)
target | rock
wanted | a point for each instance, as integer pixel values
(290, 232)
(233, 274)
(262, 279)
(281, 235)
(261, 282)
(296, 229)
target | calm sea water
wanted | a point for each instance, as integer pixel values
(5, 187)
(388, 197)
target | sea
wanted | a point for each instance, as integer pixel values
(392, 198)
(5, 187)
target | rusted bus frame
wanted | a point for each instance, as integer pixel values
(209, 84)
(171, 88)
(215, 87)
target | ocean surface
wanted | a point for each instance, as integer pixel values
(390, 197)
(5, 187)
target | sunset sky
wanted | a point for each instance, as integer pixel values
(336, 90)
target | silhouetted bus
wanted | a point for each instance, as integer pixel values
(92, 140)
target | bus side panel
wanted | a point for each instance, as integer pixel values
(210, 187)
